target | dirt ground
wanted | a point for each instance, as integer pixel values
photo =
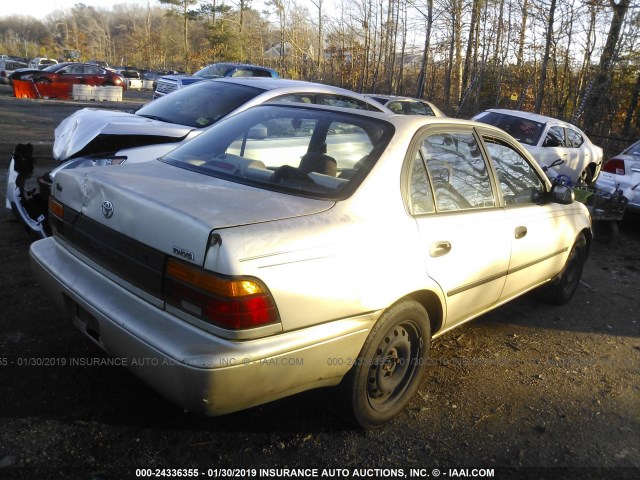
(527, 391)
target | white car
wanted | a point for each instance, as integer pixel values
(295, 246)
(407, 105)
(549, 139)
(623, 172)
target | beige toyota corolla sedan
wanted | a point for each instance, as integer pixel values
(292, 247)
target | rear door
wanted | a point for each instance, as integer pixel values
(465, 237)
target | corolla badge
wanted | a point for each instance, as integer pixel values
(107, 209)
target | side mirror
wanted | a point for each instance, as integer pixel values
(561, 194)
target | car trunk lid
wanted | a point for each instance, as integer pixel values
(171, 209)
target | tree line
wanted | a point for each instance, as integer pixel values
(573, 59)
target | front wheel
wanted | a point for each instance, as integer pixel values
(390, 366)
(561, 289)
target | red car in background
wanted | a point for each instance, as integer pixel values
(72, 73)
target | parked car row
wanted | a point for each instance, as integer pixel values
(225, 232)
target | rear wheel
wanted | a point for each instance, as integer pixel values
(390, 366)
(586, 176)
(562, 288)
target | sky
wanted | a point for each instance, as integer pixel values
(41, 8)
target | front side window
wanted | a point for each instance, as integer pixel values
(307, 152)
(458, 172)
(396, 107)
(555, 137)
(519, 182)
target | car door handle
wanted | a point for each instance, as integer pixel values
(521, 232)
(439, 249)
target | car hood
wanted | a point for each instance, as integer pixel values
(173, 209)
(91, 131)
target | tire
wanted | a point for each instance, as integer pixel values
(390, 366)
(561, 289)
(586, 176)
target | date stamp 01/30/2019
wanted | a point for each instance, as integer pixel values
(284, 473)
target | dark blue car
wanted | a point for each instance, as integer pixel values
(169, 83)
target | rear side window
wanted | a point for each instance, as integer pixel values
(574, 139)
(419, 108)
(458, 172)
(343, 101)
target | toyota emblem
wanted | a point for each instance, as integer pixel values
(107, 209)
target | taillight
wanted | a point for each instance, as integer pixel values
(615, 166)
(234, 303)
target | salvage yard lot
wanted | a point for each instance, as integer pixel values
(529, 387)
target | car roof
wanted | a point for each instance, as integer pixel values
(400, 121)
(297, 86)
(536, 117)
(395, 97)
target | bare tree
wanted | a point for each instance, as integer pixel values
(600, 99)
(545, 59)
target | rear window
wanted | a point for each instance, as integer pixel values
(303, 151)
(199, 105)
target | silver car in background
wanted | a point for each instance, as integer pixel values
(96, 137)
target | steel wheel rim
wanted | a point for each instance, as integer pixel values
(393, 365)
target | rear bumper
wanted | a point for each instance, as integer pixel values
(194, 369)
(609, 182)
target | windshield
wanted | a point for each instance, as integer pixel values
(199, 105)
(304, 151)
(216, 70)
(524, 130)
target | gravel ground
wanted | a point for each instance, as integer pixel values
(527, 391)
